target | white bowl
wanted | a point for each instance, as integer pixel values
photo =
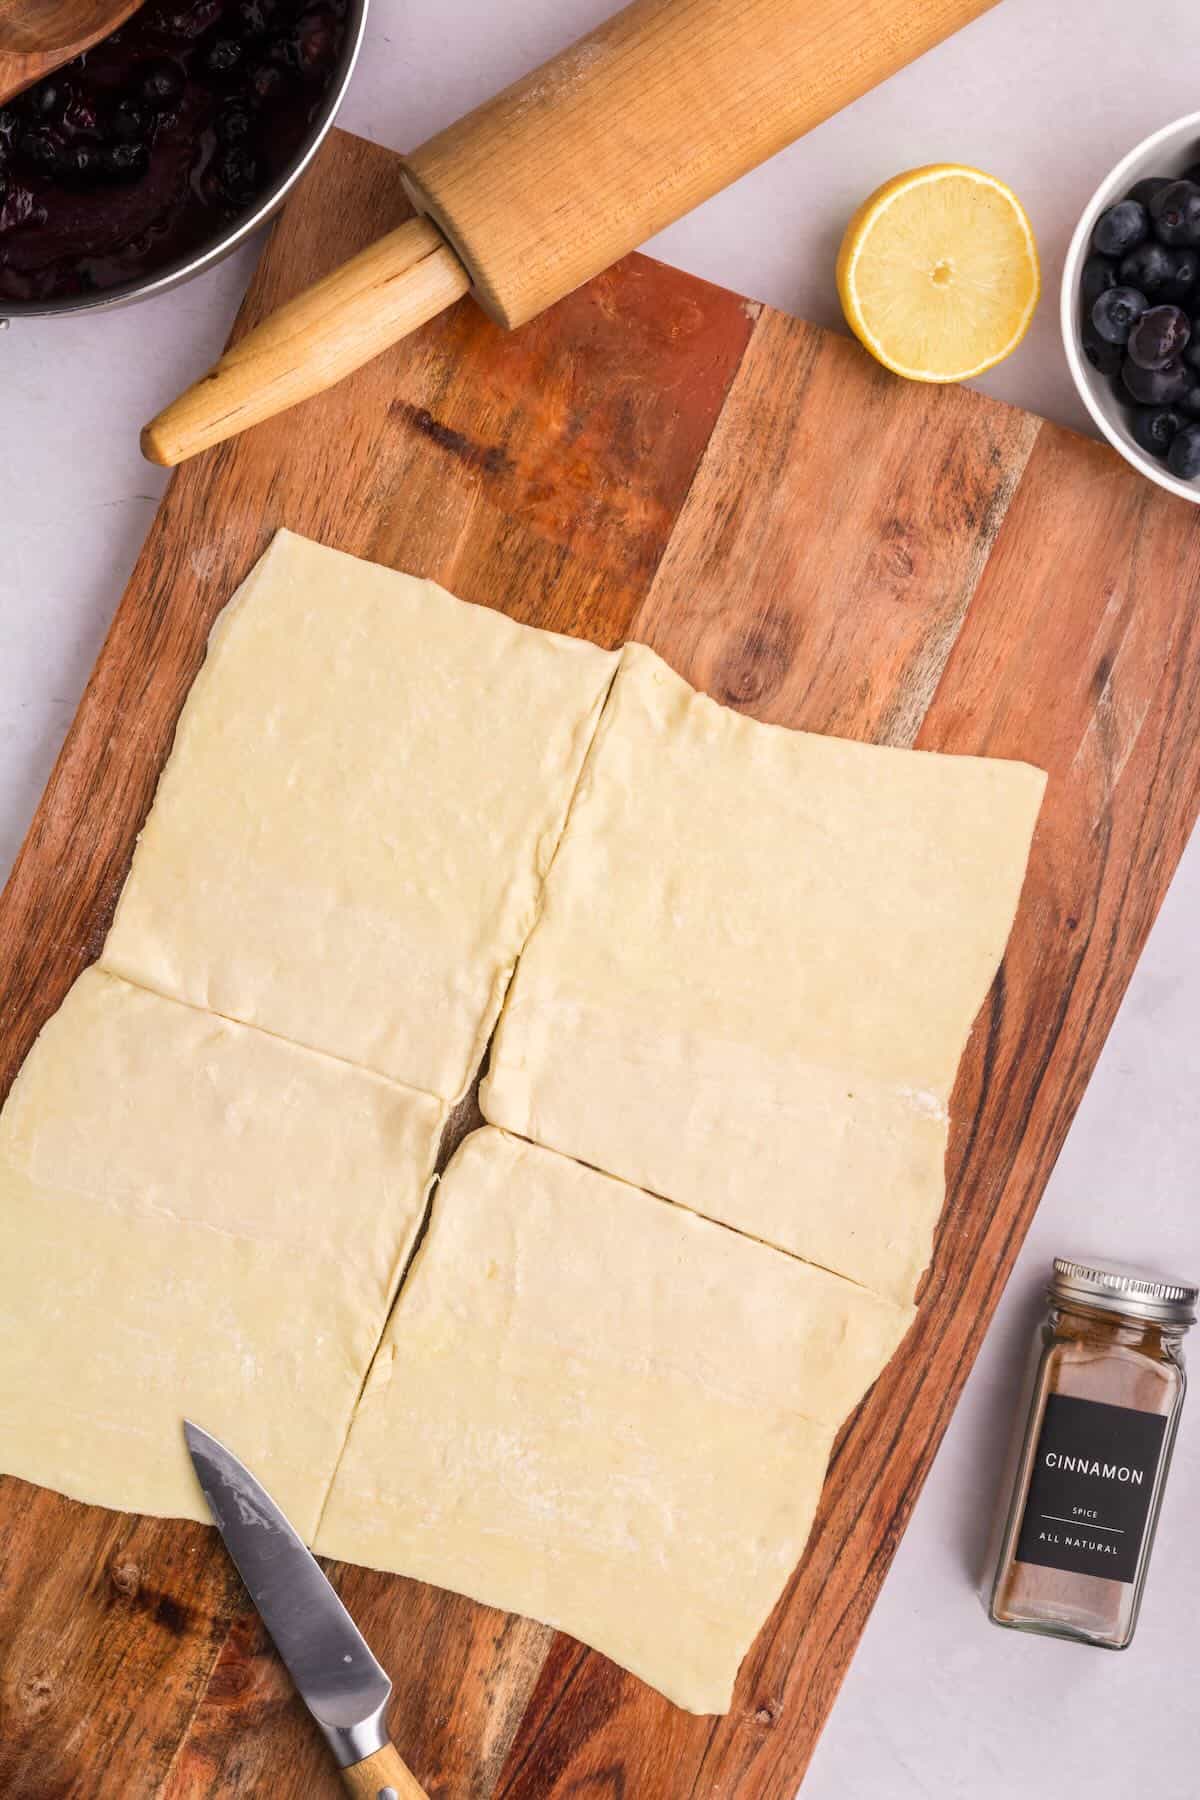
(1165, 152)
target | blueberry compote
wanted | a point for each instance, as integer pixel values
(147, 147)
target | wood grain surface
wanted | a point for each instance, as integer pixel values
(808, 539)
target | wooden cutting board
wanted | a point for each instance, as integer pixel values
(810, 540)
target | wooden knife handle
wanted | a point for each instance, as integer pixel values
(372, 301)
(383, 1776)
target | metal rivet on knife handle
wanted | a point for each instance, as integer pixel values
(565, 172)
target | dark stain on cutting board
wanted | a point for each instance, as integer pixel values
(814, 542)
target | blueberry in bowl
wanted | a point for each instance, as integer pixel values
(1120, 228)
(1158, 337)
(155, 153)
(1130, 307)
(1155, 426)
(1183, 455)
(1149, 267)
(1163, 386)
(1115, 315)
(1174, 213)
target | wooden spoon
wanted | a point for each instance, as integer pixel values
(38, 36)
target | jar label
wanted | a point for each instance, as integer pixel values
(1091, 1487)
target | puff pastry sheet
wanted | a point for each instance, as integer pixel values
(595, 1408)
(758, 959)
(367, 784)
(199, 1220)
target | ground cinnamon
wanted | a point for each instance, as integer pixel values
(1108, 1386)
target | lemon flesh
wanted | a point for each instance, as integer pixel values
(938, 273)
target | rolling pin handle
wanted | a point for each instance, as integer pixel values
(370, 303)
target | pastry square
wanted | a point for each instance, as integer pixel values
(368, 782)
(598, 1409)
(757, 962)
(195, 1219)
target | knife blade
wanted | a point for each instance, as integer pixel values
(339, 1680)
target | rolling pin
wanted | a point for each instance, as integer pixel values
(562, 174)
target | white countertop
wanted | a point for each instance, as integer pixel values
(937, 1704)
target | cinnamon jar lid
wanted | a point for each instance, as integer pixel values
(1134, 1292)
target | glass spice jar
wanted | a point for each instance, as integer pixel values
(1108, 1389)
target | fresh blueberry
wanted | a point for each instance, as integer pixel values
(162, 85)
(1183, 458)
(1144, 191)
(1103, 356)
(124, 162)
(1160, 335)
(1184, 275)
(1189, 401)
(1175, 213)
(1099, 274)
(1191, 355)
(1116, 313)
(1156, 387)
(1153, 427)
(1120, 228)
(1147, 267)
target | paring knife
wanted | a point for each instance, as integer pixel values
(327, 1657)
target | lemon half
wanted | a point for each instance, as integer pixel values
(938, 273)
